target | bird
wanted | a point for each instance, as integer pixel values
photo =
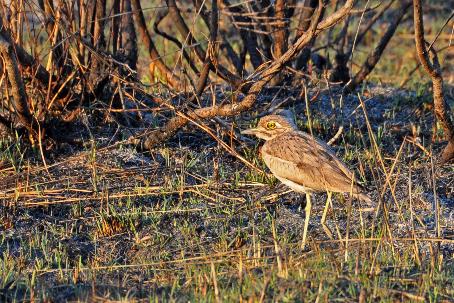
(304, 163)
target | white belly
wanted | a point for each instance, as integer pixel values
(295, 186)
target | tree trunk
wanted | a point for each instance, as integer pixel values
(441, 108)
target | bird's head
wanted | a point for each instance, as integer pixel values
(271, 126)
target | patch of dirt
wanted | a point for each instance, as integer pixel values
(101, 206)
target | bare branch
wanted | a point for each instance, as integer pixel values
(159, 17)
(375, 55)
(233, 57)
(264, 77)
(18, 89)
(83, 21)
(304, 22)
(281, 33)
(52, 30)
(441, 108)
(99, 21)
(370, 23)
(128, 35)
(220, 70)
(30, 64)
(249, 38)
(209, 57)
(116, 40)
(98, 74)
(173, 80)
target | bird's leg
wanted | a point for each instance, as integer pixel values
(323, 221)
(306, 221)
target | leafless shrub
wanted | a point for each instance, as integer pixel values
(432, 67)
(76, 52)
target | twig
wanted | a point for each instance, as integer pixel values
(220, 70)
(266, 74)
(249, 38)
(336, 136)
(375, 55)
(173, 80)
(441, 108)
(159, 17)
(18, 90)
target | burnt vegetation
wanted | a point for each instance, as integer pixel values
(114, 113)
(63, 57)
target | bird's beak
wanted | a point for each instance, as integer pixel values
(250, 131)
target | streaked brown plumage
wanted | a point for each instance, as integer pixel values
(303, 163)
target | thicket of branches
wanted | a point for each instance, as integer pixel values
(60, 57)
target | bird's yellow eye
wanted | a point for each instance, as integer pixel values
(271, 125)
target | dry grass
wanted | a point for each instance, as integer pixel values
(191, 222)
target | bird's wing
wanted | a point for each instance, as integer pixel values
(298, 157)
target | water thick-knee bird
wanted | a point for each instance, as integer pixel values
(304, 163)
